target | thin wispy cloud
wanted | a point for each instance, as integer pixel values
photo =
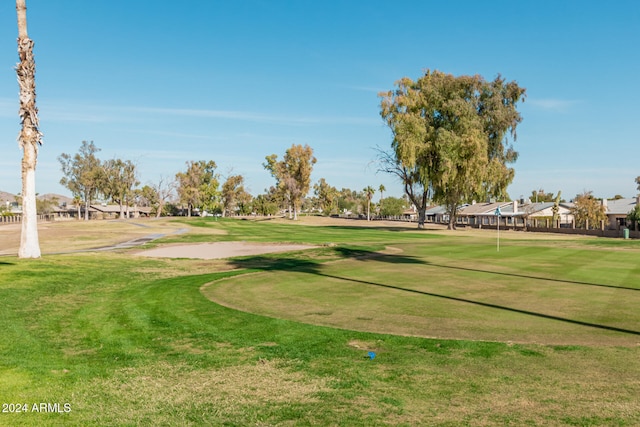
(72, 112)
(177, 135)
(554, 105)
(255, 117)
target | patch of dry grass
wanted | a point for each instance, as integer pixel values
(72, 235)
(160, 392)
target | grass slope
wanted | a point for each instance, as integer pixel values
(130, 341)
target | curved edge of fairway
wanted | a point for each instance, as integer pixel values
(374, 297)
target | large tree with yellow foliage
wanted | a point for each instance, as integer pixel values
(292, 174)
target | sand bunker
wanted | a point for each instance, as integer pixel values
(219, 250)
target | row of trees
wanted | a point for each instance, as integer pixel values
(87, 177)
(330, 200)
(200, 187)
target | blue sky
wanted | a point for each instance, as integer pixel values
(163, 82)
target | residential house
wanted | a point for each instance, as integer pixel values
(515, 215)
(113, 211)
(541, 215)
(484, 214)
(436, 214)
(617, 211)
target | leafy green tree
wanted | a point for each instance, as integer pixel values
(588, 211)
(198, 186)
(46, 206)
(349, 201)
(264, 205)
(244, 203)
(634, 216)
(118, 181)
(638, 183)
(326, 195)
(392, 206)
(234, 197)
(286, 189)
(292, 174)
(82, 174)
(450, 134)
(539, 196)
(147, 197)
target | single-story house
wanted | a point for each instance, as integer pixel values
(514, 214)
(113, 211)
(436, 214)
(617, 211)
(483, 214)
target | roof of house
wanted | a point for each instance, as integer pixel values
(116, 208)
(435, 210)
(107, 208)
(532, 208)
(507, 208)
(485, 208)
(621, 206)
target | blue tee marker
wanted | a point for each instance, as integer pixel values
(372, 355)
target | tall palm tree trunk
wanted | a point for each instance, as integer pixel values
(29, 138)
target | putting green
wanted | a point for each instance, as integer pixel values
(413, 294)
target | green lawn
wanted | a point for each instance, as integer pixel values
(544, 332)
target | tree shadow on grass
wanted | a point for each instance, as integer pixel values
(363, 255)
(485, 304)
(311, 266)
(3, 263)
(525, 276)
(305, 264)
(373, 227)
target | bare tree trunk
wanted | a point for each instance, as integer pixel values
(29, 138)
(452, 210)
(86, 208)
(422, 217)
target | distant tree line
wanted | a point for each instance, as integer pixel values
(199, 188)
